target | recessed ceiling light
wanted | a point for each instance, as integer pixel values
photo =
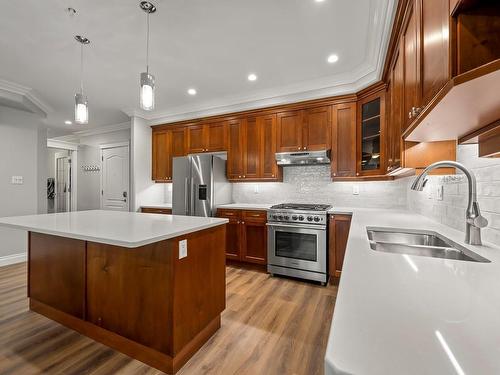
(319, 1)
(192, 91)
(67, 122)
(252, 77)
(332, 58)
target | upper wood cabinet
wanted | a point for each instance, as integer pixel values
(304, 130)
(252, 148)
(235, 150)
(269, 169)
(290, 125)
(371, 135)
(208, 137)
(395, 111)
(317, 128)
(435, 26)
(161, 156)
(411, 52)
(166, 144)
(344, 140)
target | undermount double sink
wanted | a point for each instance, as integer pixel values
(419, 242)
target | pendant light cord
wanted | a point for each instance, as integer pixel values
(147, 46)
(81, 69)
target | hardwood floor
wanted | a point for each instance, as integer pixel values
(270, 326)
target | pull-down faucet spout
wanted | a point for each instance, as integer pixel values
(474, 221)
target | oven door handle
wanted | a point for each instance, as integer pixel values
(317, 227)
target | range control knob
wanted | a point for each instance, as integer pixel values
(294, 217)
(316, 218)
(309, 218)
(286, 217)
(301, 218)
(280, 217)
(275, 217)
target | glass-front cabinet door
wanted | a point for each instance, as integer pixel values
(371, 135)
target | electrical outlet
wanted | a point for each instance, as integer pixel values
(183, 249)
(256, 189)
(440, 192)
(17, 180)
(355, 190)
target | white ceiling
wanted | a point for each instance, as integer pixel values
(208, 45)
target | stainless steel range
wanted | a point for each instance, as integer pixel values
(297, 240)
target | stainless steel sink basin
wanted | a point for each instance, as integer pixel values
(419, 242)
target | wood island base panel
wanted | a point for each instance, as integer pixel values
(144, 302)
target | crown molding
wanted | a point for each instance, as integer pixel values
(25, 97)
(64, 145)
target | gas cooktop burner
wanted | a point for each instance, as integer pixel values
(301, 207)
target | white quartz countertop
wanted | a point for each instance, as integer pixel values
(158, 205)
(246, 206)
(403, 314)
(127, 229)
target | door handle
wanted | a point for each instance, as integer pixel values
(124, 194)
(186, 196)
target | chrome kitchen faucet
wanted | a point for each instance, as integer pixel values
(474, 221)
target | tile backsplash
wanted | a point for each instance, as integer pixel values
(450, 209)
(312, 184)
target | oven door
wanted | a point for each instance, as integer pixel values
(302, 247)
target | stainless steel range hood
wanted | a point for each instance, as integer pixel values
(303, 157)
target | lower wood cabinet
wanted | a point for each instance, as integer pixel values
(246, 235)
(153, 210)
(338, 233)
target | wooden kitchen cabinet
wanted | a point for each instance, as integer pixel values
(316, 134)
(371, 135)
(161, 156)
(305, 130)
(155, 210)
(235, 150)
(411, 52)
(246, 235)
(252, 148)
(210, 137)
(166, 144)
(338, 234)
(269, 169)
(435, 26)
(344, 140)
(290, 126)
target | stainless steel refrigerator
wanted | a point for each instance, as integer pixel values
(200, 184)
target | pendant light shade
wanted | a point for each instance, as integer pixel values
(147, 93)
(81, 109)
(81, 103)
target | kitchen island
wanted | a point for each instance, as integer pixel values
(150, 286)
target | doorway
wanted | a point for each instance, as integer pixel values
(115, 176)
(63, 182)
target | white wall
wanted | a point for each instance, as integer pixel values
(89, 183)
(144, 190)
(21, 154)
(451, 210)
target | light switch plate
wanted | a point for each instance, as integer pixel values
(17, 180)
(355, 190)
(183, 249)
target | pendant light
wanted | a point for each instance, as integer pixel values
(81, 103)
(147, 94)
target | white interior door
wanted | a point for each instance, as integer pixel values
(115, 178)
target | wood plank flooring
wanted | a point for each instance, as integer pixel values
(270, 326)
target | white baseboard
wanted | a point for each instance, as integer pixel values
(13, 259)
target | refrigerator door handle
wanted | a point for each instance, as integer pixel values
(192, 191)
(186, 196)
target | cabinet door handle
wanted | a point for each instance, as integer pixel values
(357, 174)
(244, 176)
(239, 176)
(242, 222)
(305, 148)
(334, 174)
